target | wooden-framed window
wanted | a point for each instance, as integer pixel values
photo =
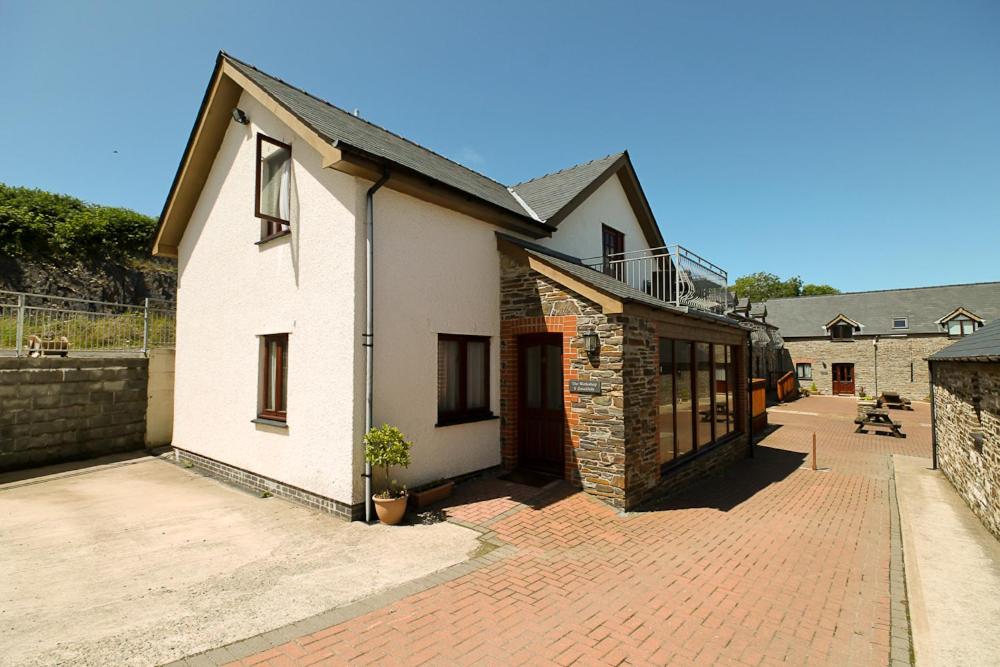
(804, 371)
(274, 377)
(612, 249)
(842, 332)
(272, 198)
(961, 326)
(463, 378)
(696, 404)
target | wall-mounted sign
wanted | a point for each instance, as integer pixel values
(592, 387)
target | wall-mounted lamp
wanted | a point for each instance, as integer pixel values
(977, 441)
(591, 342)
(240, 117)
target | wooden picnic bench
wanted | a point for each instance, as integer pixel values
(878, 418)
(892, 399)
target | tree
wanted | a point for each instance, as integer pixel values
(762, 286)
(810, 289)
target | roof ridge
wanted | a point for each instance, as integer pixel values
(364, 120)
(879, 291)
(565, 169)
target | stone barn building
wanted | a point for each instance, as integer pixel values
(966, 414)
(872, 342)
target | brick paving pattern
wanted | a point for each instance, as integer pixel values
(772, 564)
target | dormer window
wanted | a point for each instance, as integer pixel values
(274, 171)
(960, 322)
(842, 328)
(841, 332)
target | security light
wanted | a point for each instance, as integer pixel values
(240, 117)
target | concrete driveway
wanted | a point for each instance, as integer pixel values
(142, 562)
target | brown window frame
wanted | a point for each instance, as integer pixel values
(614, 251)
(463, 413)
(839, 327)
(281, 377)
(272, 226)
(733, 407)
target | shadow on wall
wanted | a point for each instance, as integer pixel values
(737, 484)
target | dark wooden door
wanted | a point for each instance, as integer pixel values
(540, 401)
(843, 379)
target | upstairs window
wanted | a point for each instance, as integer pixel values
(612, 249)
(274, 377)
(463, 378)
(900, 323)
(961, 326)
(274, 172)
(842, 332)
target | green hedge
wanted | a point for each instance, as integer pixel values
(43, 224)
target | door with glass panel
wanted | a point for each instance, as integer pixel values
(540, 402)
(843, 379)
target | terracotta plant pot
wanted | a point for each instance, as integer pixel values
(390, 511)
(432, 495)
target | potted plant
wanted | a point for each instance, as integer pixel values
(385, 446)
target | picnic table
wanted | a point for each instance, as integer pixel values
(877, 418)
(892, 399)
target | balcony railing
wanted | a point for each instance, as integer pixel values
(672, 274)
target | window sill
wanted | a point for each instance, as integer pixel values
(264, 421)
(273, 237)
(452, 421)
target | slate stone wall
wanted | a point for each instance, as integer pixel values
(967, 405)
(56, 409)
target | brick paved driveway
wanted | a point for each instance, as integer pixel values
(773, 564)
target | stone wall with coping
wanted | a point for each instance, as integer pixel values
(61, 409)
(895, 356)
(974, 470)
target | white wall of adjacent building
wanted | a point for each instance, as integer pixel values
(579, 234)
(231, 291)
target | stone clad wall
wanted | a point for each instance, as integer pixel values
(595, 425)
(56, 409)
(641, 377)
(974, 471)
(894, 358)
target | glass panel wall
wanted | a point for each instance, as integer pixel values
(665, 407)
(684, 405)
(696, 397)
(703, 392)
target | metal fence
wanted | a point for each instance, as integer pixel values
(40, 324)
(672, 274)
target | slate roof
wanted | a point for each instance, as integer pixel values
(983, 345)
(608, 285)
(547, 195)
(805, 316)
(337, 125)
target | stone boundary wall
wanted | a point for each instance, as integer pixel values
(262, 484)
(63, 409)
(973, 470)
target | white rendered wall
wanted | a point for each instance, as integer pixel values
(579, 234)
(437, 271)
(231, 291)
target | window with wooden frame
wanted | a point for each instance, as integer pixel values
(842, 332)
(804, 371)
(272, 201)
(612, 250)
(274, 377)
(463, 378)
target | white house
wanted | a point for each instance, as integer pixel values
(494, 342)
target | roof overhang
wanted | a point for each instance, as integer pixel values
(842, 319)
(623, 169)
(959, 312)
(222, 95)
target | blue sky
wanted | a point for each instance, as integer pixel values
(852, 143)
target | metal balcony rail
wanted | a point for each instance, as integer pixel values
(672, 274)
(41, 324)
